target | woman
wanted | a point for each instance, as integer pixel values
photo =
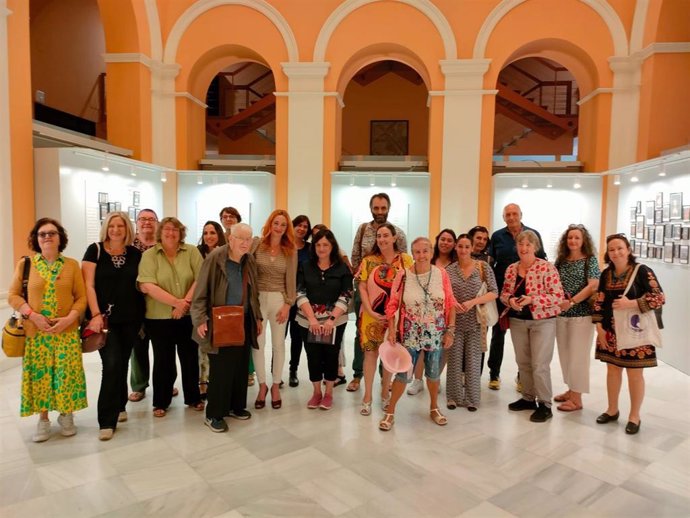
(302, 227)
(110, 269)
(375, 277)
(480, 243)
(276, 260)
(579, 272)
(444, 254)
(423, 298)
(644, 294)
(167, 275)
(212, 237)
(324, 290)
(222, 282)
(532, 293)
(465, 356)
(52, 369)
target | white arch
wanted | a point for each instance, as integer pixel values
(201, 6)
(601, 7)
(154, 29)
(424, 6)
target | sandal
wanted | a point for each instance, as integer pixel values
(136, 396)
(437, 417)
(366, 408)
(569, 406)
(387, 422)
(353, 386)
(250, 380)
(561, 398)
(197, 406)
(159, 412)
(385, 402)
(340, 380)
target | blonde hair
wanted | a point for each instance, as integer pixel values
(129, 228)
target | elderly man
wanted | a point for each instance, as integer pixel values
(503, 251)
(147, 224)
(365, 239)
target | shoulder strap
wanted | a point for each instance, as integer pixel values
(358, 239)
(98, 253)
(482, 272)
(632, 279)
(25, 277)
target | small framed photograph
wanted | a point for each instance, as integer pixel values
(633, 228)
(686, 212)
(644, 250)
(132, 213)
(657, 252)
(639, 227)
(102, 197)
(668, 253)
(102, 210)
(633, 213)
(650, 234)
(676, 251)
(136, 198)
(659, 235)
(658, 215)
(645, 233)
(677, 231)
(683, 254)
(676, 205)
(668, 231)
(638, 208)
(666, 213)
(638, 248)
(111, 206)
(649, 211)
(136, 214)
(118, 206)
(659, 201)
(685, 233)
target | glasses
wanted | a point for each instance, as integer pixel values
(50, 233)
(574, 226)
(616, 236)
(147, 220)
(229, 216)
(242, 239)
(171, 229)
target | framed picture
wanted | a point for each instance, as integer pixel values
(676, 205)
(645, 233)
(638, 208)
(676, 251)
(686, 212)
(633, 213)
(659, 235)
(111, 206)
(683, 254)
(659, 201)
(666, 213)
(668, 253)
(643, 250)
(685, 233)
(649, 211)
(118, 206)
(677, 231)
(639, 227)
(633, 227)
(668, 231)
(650, 234)
(102, 210)
(632, 245)
(132, 213)
(659, 252)
(388, 137)
(136, 214)
(136, 198)
(102, 197)
(638, 248)
(658, 215)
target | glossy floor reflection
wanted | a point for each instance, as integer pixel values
(300, 462)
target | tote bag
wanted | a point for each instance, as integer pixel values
(633, 327)
(487, 313)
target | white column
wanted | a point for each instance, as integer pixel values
(6, 251)
(462, 124)
(305, 138)
(625, 117)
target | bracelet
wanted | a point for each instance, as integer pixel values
(96, 315)
(27, 315)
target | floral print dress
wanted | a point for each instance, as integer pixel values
(52, 370)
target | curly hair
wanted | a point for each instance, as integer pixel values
(33, 234)
(588, 248)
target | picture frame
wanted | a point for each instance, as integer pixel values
(136, 198)
(102, 197)
(639, 227)
(659, 235)
(676, 251)
(666, 213)
(132, 213)
(685, 233)
(686, 212)
(102, 210)
(638, 207)
(675, 206)
(658, 252)
(638, 249)
(645, 233)
(632, 245)
(684, 254)
(136, 214)
(633, 213)
(388, 137)
(651, 232)
(118, 206)
(659, 200)
(633, 228)
(649, 210)
(668, 253)
(111, 206)
(668, 231)
(658, 215)
(676, 232)
(644, 249)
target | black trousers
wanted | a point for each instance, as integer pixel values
(227, 381)
(166, 336)
(112, 398)
(296, 340)
(322, 359)
(498, 338)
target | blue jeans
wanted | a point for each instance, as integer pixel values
(432, 365)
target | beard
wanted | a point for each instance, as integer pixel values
(379, 219)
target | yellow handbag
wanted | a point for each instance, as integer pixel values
(13, 333)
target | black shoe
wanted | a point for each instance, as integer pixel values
(294, 381)
(216, 425)
(605, 418)
(242, 415)
(522, 404)
(541, 414)
(281, 384)
(632, 428)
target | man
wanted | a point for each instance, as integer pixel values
(365, 239)
(147, 224)
(503, 251)
(229, 216)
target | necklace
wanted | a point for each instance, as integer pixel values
(621, 277)
(425, 288)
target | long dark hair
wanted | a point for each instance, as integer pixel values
(437, 252)
(203, 247)
(335, 256)
(587, 244)
(376, 250)
(631, 258)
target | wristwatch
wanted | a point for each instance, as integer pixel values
(331, 317)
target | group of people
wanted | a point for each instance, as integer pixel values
(149, 285)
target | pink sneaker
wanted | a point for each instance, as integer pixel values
(326, 402)
(314, 401)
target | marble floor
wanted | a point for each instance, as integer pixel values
(300, 462)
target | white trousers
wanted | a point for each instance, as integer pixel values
(271, 302)
(574, 336)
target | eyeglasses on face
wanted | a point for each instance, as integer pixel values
(50, 233)
(147, 220)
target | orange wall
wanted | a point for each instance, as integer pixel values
(388, 98)
(66, 63)
(251, 144)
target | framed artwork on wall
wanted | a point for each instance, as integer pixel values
(388, 137)
(102, 210)
(685, 233)
(633, 213)
(649, 211)
(644, 248)
(666, 213)
(677, 232)
(686, 212)
(638, 249)
(136, 198)
(111, 206)
(658, 215)
(638, 207)
(668, 253)
(684, 254)
(659, 201)
(668, 231)
(102, 197)
(132, 213)
(659, 235)
(639, 227)
(676, 205)
(650, 234)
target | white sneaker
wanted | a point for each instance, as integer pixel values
(42, 431)
(66, 422)
(122, 416)
(415, 387)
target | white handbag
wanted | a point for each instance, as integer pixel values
(487, 313)
(633, 327)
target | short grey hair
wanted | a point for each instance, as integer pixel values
(531, 237)
(421, 238)
(237, 227)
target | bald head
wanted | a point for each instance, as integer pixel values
(512, 215)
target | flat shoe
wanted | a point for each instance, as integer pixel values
(437, 417)
(606, 418)
(451, 405)
(387, 422)
(340, 380)
(105, 434)
(632, 428)
(569, 406)
(159, 412)
(136, 396)
(561, 398)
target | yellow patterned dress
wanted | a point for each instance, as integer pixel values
(52, 369)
